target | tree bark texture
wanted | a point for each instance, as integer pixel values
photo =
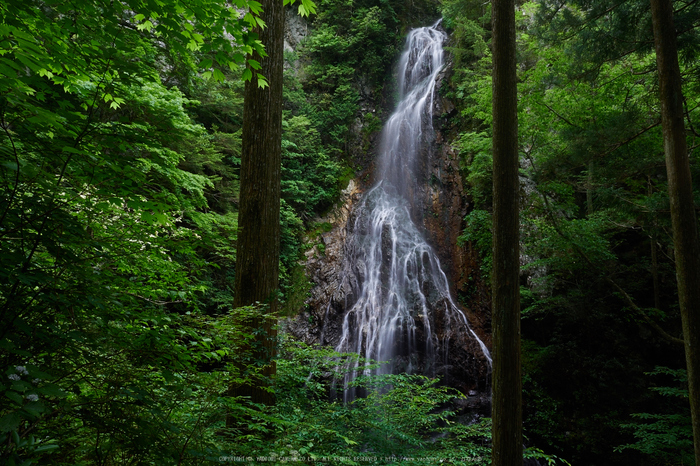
(507, 384)
(258, 246)
(680, 192)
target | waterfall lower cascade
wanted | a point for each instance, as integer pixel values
(399, 306)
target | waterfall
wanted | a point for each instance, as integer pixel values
(400, 306)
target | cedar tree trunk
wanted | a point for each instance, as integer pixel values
(680, 192)
(507, 384)
(258, 247)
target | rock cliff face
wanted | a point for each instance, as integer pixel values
(321, 320)
(441, 211)
(296, 28)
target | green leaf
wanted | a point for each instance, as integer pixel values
(250, 19)
(34, 408)
(14, 396)
(218, 75)
(347, 440)
(255, 7)
(41, 448)
(10, 421)
(145, 26)
(10, 165)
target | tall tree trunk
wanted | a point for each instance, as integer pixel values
(258, 247)
(507, 384)
(680, 192)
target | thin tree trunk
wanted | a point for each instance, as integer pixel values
(654, 258)
(258, 247)
(507, 384)
(589, 189)
(680, 192)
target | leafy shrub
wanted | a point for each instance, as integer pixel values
(667, 438)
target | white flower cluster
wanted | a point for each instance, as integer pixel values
(22, 370)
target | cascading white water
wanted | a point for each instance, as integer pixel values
(398, 287)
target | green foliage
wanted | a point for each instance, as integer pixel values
(388, 423)
(479, 232)
(305, 8)
(564, 247)
(665, 437)
(349, 53)
(297, 290)
(402, 416)
(309, 187)
(117, 226)
(596, 32)
(310, 177)
(470, 86)
(477, 161)
(63, 43)
(146, 374)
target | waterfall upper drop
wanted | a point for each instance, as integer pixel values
(398, 302)
(404, 132)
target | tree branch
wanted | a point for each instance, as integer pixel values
(626, 297)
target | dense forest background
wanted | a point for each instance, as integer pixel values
(120, 151)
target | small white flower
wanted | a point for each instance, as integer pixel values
(33, 397)
(21, 370)
(13, 377)
(36, 381)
